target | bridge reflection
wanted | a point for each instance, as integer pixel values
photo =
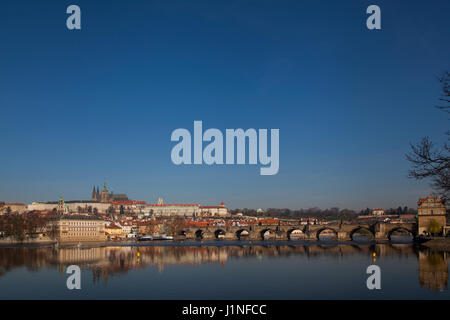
(107, 261)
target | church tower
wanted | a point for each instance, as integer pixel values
(105, 194)
(61, 205)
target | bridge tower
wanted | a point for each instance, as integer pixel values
(431, 215)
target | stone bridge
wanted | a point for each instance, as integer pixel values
(344, 232)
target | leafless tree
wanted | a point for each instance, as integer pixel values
(151, 226)
(175, 226)
(18, 226)
(429, 160)
(52, 228)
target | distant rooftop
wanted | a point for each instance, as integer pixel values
(71, 201)
(173, 205)
(78, 217)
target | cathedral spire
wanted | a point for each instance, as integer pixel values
(94, 194)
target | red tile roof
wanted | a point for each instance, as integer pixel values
(422, 200)
(176, 205)
(129, 202)
(211, 207)
(113, 226)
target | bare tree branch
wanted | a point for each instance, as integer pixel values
(428, 161)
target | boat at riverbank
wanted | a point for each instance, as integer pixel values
(162, 237)
(155, 237)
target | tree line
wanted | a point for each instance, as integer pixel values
(329, 214)
(19, 226)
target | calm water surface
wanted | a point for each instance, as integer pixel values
(218, 270)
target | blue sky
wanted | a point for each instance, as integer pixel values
(82, 107)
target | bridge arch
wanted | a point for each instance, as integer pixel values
(199, 234)
(399, 228)
(363, 230)
(267, 234)
(295, 234)
(219, 234)
(328, 229)
(242, 234)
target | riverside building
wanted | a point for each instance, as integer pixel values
(186, 210)
(77, 228)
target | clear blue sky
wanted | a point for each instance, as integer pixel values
(82, 107)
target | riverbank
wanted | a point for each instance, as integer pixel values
(438, 244)
(26, 241)
(197, 243)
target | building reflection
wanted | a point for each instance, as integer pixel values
(105, 262)
(433, 270)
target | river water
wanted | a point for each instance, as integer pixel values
(225, 270)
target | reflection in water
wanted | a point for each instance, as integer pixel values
(433, 270)
(104, 262)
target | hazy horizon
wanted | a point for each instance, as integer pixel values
(153, 201)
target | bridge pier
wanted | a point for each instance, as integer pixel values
(254, 235)
(343, 236)
(311, 236)
(281, 236)
(381, 236)
(208, 235)
(230, 235)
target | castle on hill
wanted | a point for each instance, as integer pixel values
(105, 196)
